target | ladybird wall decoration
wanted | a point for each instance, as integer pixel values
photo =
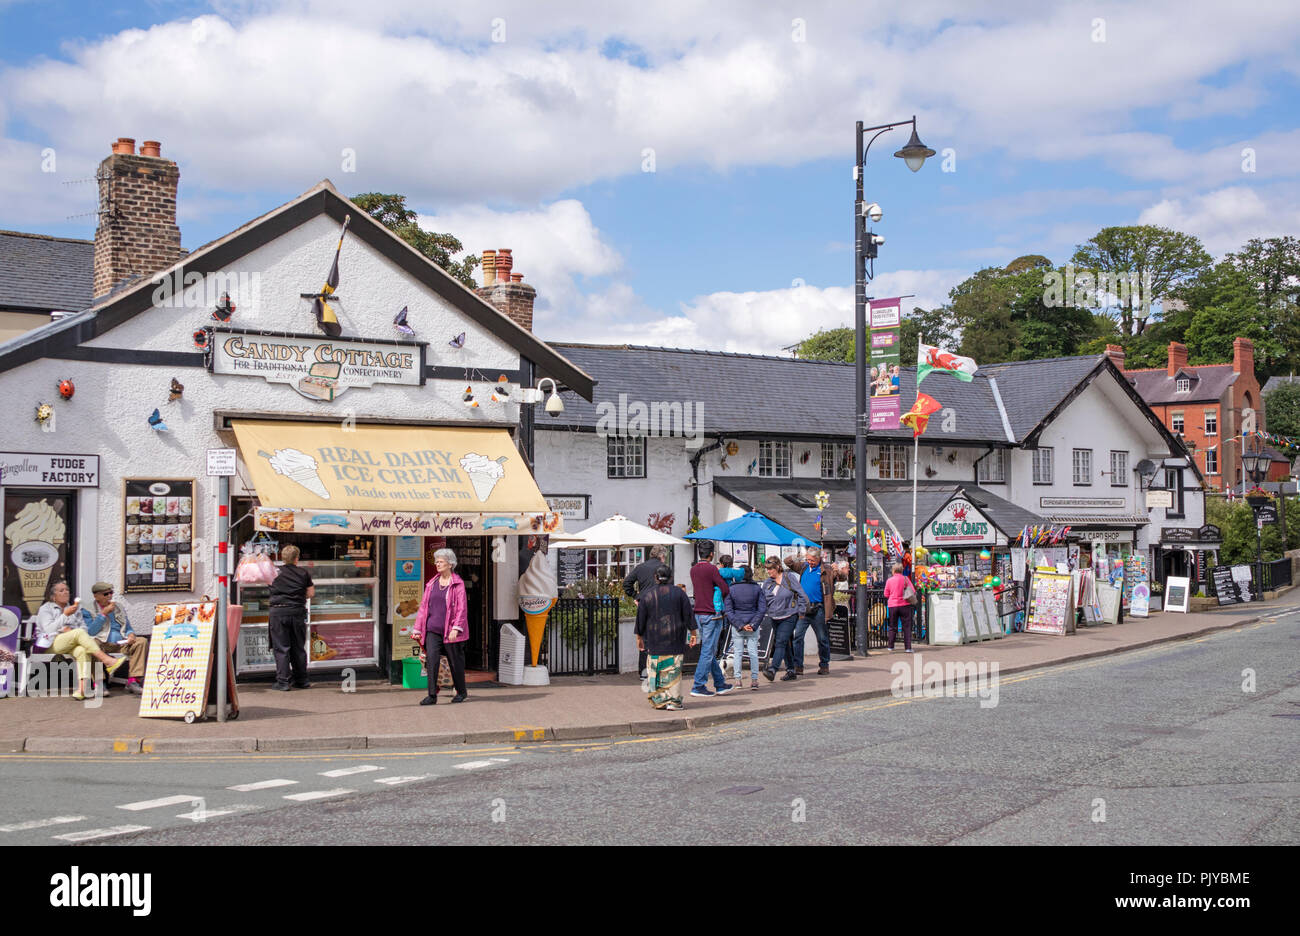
(201, 339)
(44, 412)
(66, 389)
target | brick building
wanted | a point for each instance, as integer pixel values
(1208, 406)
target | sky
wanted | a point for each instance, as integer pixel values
(677, 173)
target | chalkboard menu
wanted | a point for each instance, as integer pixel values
(573, 566)
(1176, 593)
(1232, 584)
(158, 535)
(838, 636)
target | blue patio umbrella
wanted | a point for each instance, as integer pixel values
(753, 527)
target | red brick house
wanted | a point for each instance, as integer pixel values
(1206, 405)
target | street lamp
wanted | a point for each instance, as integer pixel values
(865, 246)
(1255, 464)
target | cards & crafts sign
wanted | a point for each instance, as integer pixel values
(320, 369)
(886, 321)
(959, 523)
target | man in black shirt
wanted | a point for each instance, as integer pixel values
(663, 619)
(642, 579)
(288, 621)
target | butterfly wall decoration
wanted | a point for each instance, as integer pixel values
(156, 422)
(225, 309)
(752, 466)
(401, 326)
(458, 341)
(468, 397)
(177, 388)
(501, 392)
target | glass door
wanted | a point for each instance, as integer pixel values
(39, 528)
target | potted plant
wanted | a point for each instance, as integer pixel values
(1257, 496)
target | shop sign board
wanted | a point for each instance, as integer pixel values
(1160, 499)
(568, 506)
(1265, 513)
(318, 368)
(1107, 536)
(945, 619)
(221, 463)
(572, 566)
(1211, 534)
(408, 591)
(1177, 593)
(1232, 584)
(27, 469)
(180, 654)
(1081, 502)
(959, 524)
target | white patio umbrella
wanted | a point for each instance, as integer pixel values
(620, 531)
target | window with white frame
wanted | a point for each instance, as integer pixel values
(893, 462)
(1174, 484)
(1211, 422)
(1184, 384)
(604, 563)
(1043, 465)
(837, 460)
(625, 456)
(993, 468)
(1083, 466)
(1211, 461)
(773, 459)
(1119, 469)
(1176, 422)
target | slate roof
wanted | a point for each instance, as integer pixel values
(1156, 386)
(890, 501)
(41, 274)
(755, 395)
(1274, 382)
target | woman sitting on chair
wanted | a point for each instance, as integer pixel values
(60, 629)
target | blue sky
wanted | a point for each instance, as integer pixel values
(527, 128)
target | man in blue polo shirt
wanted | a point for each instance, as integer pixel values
(818, 581)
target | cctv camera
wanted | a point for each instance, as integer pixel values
(872, 211)
(555, 406)
(877, 239)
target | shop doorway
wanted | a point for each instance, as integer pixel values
(472, 567)
(1176, 564)
(40, 530)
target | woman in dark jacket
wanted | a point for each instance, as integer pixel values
(288, 621)
(746, 606)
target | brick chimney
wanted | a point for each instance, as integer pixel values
(1243, 356)
(1116, 354)
(1177, 357)
(506, 290)
(137, 233)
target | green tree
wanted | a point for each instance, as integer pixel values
(829, 344)
(1273, 266)
(1167, 257)
(1010, 314)
(1282, 411)
(1236, 521)
(1228, 307)
(392, 213)
(836, 344)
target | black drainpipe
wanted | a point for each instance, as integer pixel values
(695, 477)
(975, 470)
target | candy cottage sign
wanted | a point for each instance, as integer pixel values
(959, 524)
(318, 368)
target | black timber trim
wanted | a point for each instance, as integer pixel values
(222, 419)
(138, 298)
(133, 356)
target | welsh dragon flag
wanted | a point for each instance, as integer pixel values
(929, 358)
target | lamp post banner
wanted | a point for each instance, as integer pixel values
(885, 320)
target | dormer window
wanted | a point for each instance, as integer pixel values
(1184, 384)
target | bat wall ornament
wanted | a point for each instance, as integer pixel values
(326, 319)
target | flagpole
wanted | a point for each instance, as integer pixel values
(916, 448)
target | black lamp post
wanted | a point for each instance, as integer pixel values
(865, 245)
(1255, 463)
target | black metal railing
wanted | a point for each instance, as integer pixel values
(581, 637)
(1276, 574)
(877, 632)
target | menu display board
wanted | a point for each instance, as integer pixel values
(991, 610)
(408, 590)
(180, 655)
(572, 566)
(1177, 592)
(945, 619)
(839, 636)
(1051, 605)
(1232, 584)
(159, 534)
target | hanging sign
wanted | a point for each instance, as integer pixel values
(318, 368)
(959, 524)
(884, 388)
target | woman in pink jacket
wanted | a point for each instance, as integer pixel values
(442, 625)
(899, 612)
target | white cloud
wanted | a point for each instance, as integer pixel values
(1225, 219)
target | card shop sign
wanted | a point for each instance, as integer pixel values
(318, 368)
(21, 469)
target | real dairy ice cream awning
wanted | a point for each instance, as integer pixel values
(390, 480)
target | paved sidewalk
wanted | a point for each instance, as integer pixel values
(377, 715)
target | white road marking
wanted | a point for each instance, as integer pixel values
(316, 794)
(476, 764)
(260, 785)
(394, 781)
(89, 834)
(348, 771)
(40, 823)
(199, 815)
(156, 803)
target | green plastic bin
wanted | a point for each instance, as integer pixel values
(411, 678)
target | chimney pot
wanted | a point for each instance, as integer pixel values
(1243, 356)
(1177, 357)
(504, 264)
(516, 277)
(489, 267)
(151, 148)
(124, 145)
(1116, 354)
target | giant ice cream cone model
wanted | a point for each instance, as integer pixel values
(538, 593)
(34, 538)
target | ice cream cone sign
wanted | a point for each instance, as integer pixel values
(538, 593)
(299, 467)
(484, 473)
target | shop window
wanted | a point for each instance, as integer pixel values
(1043, 466)
(1119, 469)
(625, 456)
(1174, 484)
(1083, 467)
(1176, 422)
(1211, 462)
(604, 563)
(1211, 422)
(837, 460)
(893, 462)
(993, 468)
(773, 459)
